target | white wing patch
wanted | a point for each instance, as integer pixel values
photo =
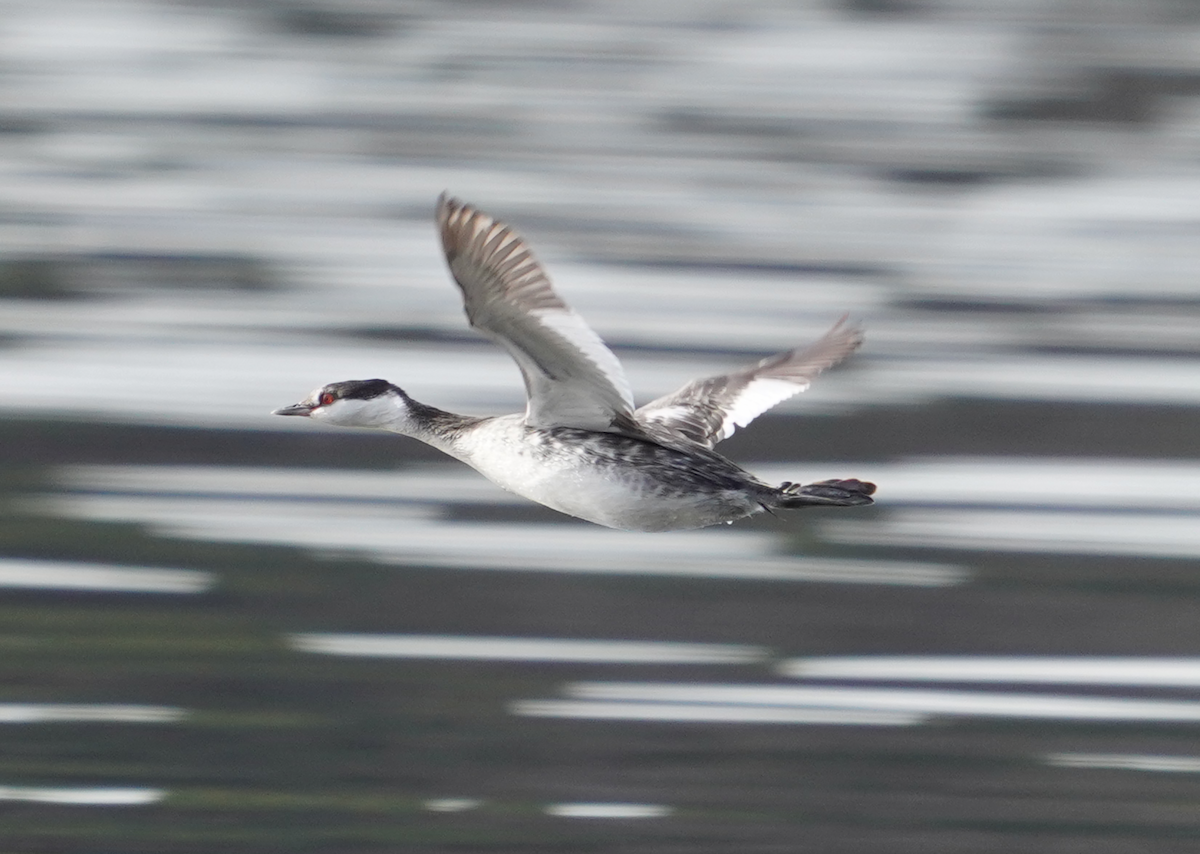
(572, 379)
(755, 399)
(707, 410)
(591, 346)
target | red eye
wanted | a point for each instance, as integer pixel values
(326, 398)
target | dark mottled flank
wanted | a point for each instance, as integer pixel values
(698, 469)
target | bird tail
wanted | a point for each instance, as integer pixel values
(838, 493)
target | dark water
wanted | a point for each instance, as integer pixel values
(225, 631)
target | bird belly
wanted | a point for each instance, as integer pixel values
(608, 492)
(623, 503)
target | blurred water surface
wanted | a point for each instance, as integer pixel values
(226, 630)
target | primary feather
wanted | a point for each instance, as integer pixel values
(571, 378)
(580, 447)
(705, 411)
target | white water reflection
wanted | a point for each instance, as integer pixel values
(683, 702)
(602, 810)
(230, 384)
(662, 137)
(667, 161)
(924, 702)
(1098, 379)
(525, 649)
(452, 804)
(42, 713)
(91, 797)
(1105, 483)
(364, 515)
(430, 484)
(1164, 535)
(1072, 670)
(1127, 762)
(1097, 506)
(56, 575)
(711, 713)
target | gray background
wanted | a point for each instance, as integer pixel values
(208, 209)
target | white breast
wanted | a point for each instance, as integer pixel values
(505, 453)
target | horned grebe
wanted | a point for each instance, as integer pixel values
(581, 447)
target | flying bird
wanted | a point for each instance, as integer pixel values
(581, 447)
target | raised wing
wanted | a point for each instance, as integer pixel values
(708, 410)
(571, 378)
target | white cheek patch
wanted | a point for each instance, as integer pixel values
(351, 413)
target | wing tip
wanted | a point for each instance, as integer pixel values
(458, 222)
(853, 328)
(447, 207)
(846, 336)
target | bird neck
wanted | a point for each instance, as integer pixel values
(431, 425)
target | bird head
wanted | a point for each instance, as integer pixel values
(354, 403)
